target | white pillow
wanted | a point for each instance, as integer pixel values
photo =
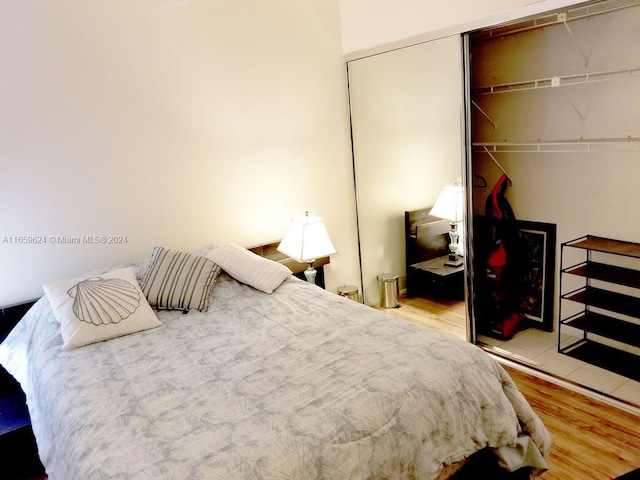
(92, 309)
(247, 267)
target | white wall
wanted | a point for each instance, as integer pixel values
(169, 122)
(367, 24)
(406, 108)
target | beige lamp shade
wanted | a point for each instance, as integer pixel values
(306, 239)
(450, 204)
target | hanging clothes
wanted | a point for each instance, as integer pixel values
(502, 288)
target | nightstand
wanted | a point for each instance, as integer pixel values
(433, 278)
(13, 413)
(18, 451)
(13, 407)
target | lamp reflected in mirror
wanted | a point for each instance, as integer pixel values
(450, 206)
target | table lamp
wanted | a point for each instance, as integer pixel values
(305, 240)
(449, 206)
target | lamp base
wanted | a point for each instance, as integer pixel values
(310, 273)
(454, 261)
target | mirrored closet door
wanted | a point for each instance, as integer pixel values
(406, 111)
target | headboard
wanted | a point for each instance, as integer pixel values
(11, 315)
(269, 250)
(426, 236)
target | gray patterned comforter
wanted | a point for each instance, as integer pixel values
(301, 384)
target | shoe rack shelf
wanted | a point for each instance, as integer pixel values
(608, 304)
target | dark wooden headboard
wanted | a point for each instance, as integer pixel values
(426, 236)
(11, 315)
(269, 250)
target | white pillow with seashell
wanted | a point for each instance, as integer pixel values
(93, 309)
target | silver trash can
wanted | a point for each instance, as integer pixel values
(349, 291)
(389, 292)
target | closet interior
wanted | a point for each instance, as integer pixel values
(553, 155)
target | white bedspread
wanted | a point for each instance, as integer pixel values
(300, 384)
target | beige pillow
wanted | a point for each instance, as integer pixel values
(178, 280)
(93, 309)
(247, 267)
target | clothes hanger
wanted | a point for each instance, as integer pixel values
(483, 181)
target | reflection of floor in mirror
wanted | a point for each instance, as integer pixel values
(447, 316)
(542, 348)
(536, 345)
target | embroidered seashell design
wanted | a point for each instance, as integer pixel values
(104, 301)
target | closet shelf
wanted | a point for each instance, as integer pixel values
(560, 81)
(606, 245)
(626, 144)
(576, 13)
(606, 326)
(607, 273)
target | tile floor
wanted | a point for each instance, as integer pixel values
(541, 348)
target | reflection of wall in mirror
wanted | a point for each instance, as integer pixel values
(405, 114)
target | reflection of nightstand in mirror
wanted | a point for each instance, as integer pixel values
(434, 279)
(427, 248)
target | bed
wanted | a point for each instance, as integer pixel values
(297, 384)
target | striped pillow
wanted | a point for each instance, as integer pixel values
(178, 280)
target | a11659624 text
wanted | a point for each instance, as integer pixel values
(64, 239)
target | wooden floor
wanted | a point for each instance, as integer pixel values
(591, 439)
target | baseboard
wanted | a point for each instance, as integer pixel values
(375, 302)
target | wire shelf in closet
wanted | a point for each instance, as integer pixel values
(627, 144)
